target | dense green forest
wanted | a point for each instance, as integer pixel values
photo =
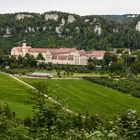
(57, 29)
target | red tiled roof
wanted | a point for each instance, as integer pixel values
(53, 51)
(98, 53)
(38, 50)
(56, 51)
(62, 53)
(18, 49)
(95, 53)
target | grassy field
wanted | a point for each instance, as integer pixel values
(86, 97)
(16, 95)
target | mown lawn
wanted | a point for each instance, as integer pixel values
(87, 97)
(16, 95)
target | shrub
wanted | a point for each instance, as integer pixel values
(129, 86)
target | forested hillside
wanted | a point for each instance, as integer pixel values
(126, 18)
(57, 29)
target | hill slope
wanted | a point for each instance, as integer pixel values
(126, 18)
(58, 29)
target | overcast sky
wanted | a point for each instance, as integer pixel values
(81, 7)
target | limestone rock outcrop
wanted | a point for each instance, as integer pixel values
(22, 16)
(138, 26)
(71, 19)
(51, 17)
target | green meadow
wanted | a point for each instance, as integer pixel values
(78, 95)
(87, 97)
(16, 95)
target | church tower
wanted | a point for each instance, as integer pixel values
(24, 49)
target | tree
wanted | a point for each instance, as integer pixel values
(115, 66)
(128, 125)
(114, 57)
(120, 50)
(44, 118)
(40, 57)
(91, 66)
(107, 58)
(1, 58)
(135, 67)
(29, 61)
(11, 126)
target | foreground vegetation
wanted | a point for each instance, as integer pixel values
(52, 123)
(84, 96)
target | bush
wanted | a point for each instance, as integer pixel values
(128, 125)
(129, 86)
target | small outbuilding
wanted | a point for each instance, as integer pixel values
(41, 74)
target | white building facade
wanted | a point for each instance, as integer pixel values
(70, 56)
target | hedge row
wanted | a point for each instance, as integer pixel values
(129, 86)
